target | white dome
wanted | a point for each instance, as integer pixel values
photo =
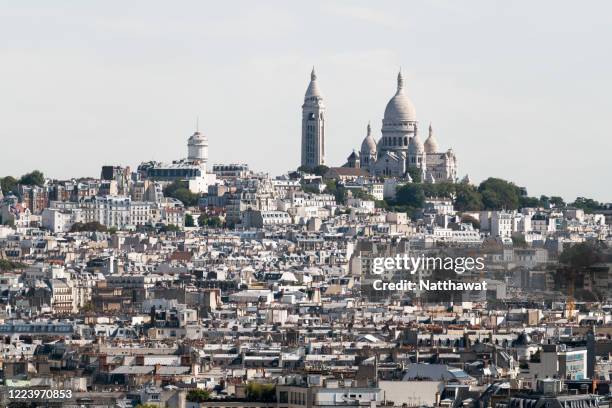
(368, 146)
(431, 144)
(400, 107)
(415, 145)
(197, 138)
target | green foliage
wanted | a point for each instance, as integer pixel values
(467, 198)
(469, 219)
(170, 228)
(362, 194)
(210, 221)
(498, 194)
(410, 195)
(198, 395)
(557, 201)
(519, 241)
(261, 392)
(582, 255)
(189, 221)
(309, 188)
(147, 406)
(588, 205)
(530, 202)
(415, 174)
(6, 265)
(339, 192)
(381, 204)
(93, 226)
(8, 184)
(180, 191)
(319, 170)
(34, 178)
(439, 190)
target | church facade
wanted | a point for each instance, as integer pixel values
(400, 146)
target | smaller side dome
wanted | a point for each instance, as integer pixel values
(415, 146)
(431, 144)
(368, 146)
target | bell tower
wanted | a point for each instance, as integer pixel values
(313, 125)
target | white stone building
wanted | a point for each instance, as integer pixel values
(400, 146)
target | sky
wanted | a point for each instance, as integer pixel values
(520, 90)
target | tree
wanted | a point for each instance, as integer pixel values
(198, 395)
(364, 195)
(261, 392)
(185, 196)
(469, 219)
(415, 174)
(467, 198)
(519, 241)
(6, 265)
(214, 221)
(381, 204)
(147, 406)
(34, 178)
(339, 192)
(8, 184)
(588, 205)
(92, 226)
(530, 202)
(498, 194)
(319, 170)
(310, 188)
(170, 228)
(582, 255)
(439, 190)
(189, 222)
(180, 191)
(557, 201)
(411, 195)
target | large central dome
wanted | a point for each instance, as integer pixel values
(400, 107)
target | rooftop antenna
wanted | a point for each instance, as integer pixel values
(197, 123)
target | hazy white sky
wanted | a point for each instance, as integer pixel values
(520, 90)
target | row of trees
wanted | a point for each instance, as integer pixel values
(491, 194)
(33, 178)
(212, 221)
(6, 265)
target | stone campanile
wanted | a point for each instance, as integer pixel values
(313, 125)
